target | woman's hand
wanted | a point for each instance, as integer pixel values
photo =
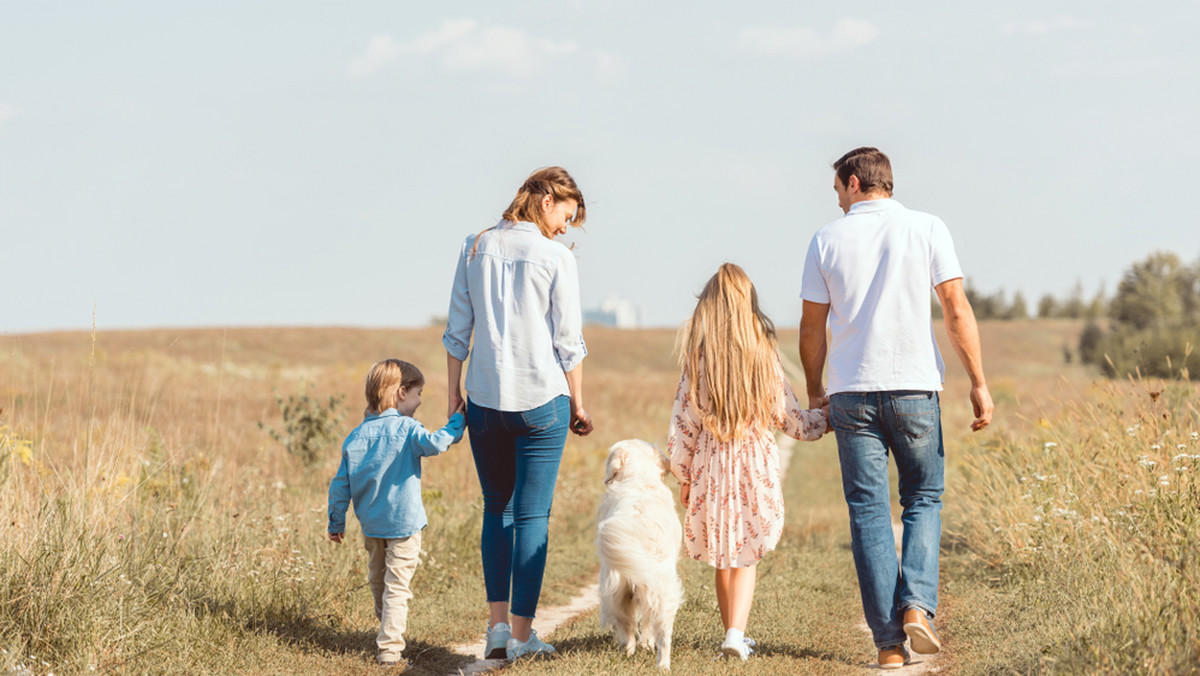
(581, 422)
(455, 404)
(685, 492)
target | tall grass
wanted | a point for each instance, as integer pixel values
(1092, 521)
(152, 525)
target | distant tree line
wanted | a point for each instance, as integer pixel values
(1154, 322)
(996, 305)
(1150, 326)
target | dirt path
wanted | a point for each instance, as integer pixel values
(920, 664)
(549, 619)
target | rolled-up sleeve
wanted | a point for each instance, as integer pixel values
(460, 319)
(566, 316)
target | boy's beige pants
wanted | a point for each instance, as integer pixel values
(390, 572)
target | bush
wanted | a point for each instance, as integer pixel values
(310, 426)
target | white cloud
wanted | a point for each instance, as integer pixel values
(464, 45)
(805, 43)
(1035, 27)
(7, 112)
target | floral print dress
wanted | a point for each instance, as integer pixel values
(735, 507)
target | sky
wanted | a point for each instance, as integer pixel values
(317, 163)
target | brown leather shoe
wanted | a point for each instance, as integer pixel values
(893, 657)
(920, 632)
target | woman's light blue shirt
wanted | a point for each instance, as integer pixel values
(381, 473)
(519, 293)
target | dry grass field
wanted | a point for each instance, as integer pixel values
(152, 526)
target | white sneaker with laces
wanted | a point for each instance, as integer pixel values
(497, 641)
(534, 646)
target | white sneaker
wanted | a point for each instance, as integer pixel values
(497, 641)
(739, 649)
(534, 646)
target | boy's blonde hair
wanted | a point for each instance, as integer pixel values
(729, 346)
(384, 381)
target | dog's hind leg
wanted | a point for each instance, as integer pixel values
(625, 618)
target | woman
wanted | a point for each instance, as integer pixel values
(517, 290)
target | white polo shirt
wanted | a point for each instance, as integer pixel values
(875, 268)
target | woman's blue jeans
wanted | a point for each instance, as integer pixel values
(867, 426)
(517, 455)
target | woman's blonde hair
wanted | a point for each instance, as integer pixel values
(729, 347)
(384, 381)
(527, 205)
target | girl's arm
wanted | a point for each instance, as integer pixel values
(683, 435)
(435, 443)
(796, 421)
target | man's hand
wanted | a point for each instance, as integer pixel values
(336, 537)
(685, 491)
(820, 401)
(981, 400)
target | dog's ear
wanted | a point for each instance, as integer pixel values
(617, 455)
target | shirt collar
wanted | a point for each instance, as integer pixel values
(868, 206)
(525, 226)
(389, 413)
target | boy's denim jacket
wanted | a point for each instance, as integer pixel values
(381, 473)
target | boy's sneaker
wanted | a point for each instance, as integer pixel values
(497, 640)
(534, 646)
(920, 631)
(893, 657)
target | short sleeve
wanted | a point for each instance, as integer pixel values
(813, 286)
(943, 261)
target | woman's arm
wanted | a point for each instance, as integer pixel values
(453, 386)
(581, 422)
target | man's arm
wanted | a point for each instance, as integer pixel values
(813, 348)
(964, 336)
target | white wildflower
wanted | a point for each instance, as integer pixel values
(1155, 447)
(1049, 445)
(1180, 447)
(1163, 481)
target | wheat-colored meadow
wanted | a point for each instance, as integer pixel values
(151, 526)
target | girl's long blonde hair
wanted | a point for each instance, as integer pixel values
(729, 346)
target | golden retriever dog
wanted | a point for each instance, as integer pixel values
(638, 537)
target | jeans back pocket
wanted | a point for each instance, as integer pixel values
(916, 413)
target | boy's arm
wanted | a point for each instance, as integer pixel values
(436, 443)
(339, 501)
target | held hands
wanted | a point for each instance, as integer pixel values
(685, 492)
(336, 537)
(455, 404)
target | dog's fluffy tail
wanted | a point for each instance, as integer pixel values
(621, 542)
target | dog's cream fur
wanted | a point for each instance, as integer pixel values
(638, 537)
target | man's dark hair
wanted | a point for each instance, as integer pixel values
(870, 165)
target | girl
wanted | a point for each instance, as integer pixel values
(517, 290)
(381, 473)
(732, 394)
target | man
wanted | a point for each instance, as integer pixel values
(869, 274)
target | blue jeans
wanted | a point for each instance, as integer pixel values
(516, 456)
(867, 426)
